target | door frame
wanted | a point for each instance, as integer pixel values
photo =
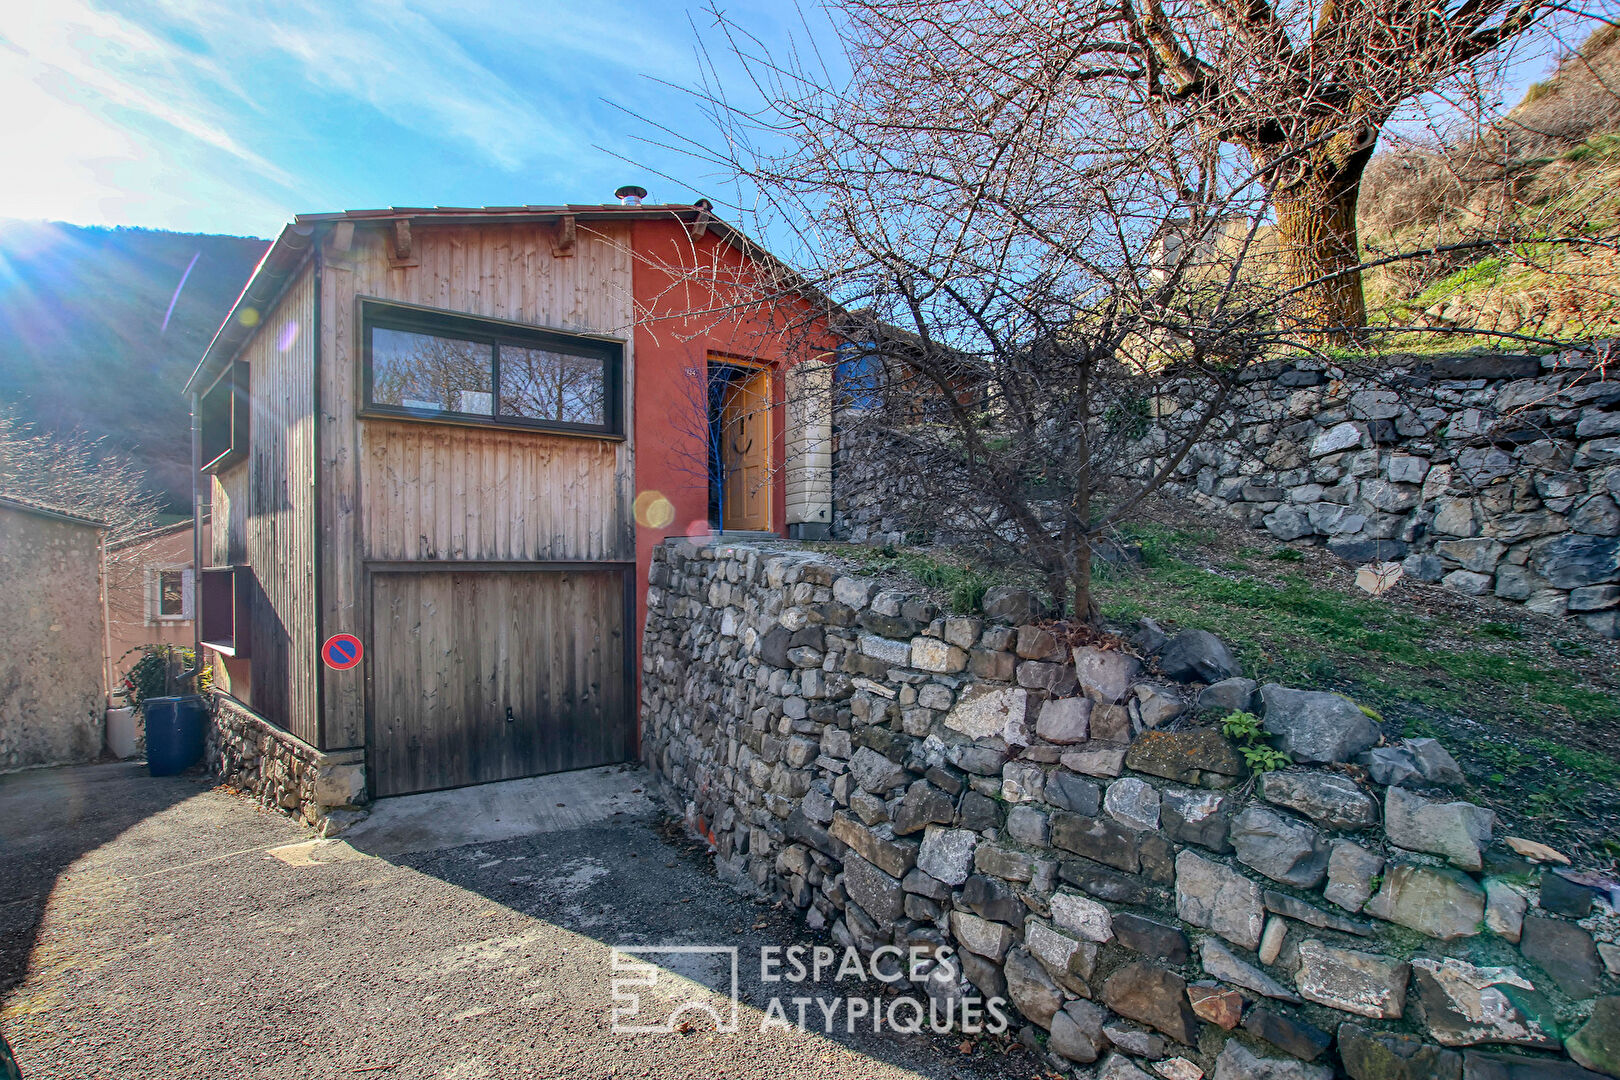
(768, 370)
(373, 567)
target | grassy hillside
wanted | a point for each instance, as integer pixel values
(83, 344)
(1550, 168)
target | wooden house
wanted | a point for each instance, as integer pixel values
(457, 434)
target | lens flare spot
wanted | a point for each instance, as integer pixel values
(248, 316)
(653, 511)
(289, 335)
(699, 527)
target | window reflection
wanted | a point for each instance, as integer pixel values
(538, 384)
(424, 371)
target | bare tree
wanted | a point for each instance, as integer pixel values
(1031, 223)
(74, 473)
(1291, 94)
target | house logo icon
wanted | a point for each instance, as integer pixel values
(659, 988)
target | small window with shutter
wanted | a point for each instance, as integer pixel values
(168, 595)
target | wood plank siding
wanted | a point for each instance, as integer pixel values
(398, 491)
(263, 514)
(495, 675)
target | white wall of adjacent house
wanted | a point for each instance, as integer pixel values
(808, 436)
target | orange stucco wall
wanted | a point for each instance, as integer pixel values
(691, 301)
(129, 623)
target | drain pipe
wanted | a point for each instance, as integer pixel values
(192, 672)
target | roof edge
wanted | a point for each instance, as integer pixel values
(266, 282)
(29, 506)
(151, 534)
(301, 235)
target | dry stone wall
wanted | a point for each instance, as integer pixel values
(874, 501)
(1489, 474)
(326, 791)
(1096, 853)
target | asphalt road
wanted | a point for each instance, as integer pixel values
(161, 928)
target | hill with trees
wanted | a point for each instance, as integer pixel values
(89, 345)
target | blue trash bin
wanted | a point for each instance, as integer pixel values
(174, 733)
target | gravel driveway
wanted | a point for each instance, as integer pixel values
(161, 928)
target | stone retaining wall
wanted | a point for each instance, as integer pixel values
(1067, 821)
(326, 791)
(873, 501)
(1490, 474)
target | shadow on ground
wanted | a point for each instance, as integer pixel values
(595, 856)
(191, 934)
(51, 817)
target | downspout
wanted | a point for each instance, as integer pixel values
(192, 672)
(109, 674)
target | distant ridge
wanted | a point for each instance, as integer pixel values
(82, 341)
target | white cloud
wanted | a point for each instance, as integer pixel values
(103, 125)
(389, 56)
(231, 114)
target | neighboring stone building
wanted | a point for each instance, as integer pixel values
(52, 699)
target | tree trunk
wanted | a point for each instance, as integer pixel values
(1077, 535)
(1316, 232)
(1085, 604)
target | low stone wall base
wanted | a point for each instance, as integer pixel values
(327, 791)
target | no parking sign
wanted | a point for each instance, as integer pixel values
(342, 651)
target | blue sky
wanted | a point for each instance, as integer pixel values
(231, 115)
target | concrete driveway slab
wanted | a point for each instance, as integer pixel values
(502, 811)
(163, 928)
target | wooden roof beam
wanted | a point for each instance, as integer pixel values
(564, 246)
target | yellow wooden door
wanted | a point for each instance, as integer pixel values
(745, 453)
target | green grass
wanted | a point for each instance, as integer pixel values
(1294, 631)
(1531, 734)
(1603, 769)
(1598, 146)
(1480, 274)
(963, 585)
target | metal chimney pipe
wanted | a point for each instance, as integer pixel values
(630, 195)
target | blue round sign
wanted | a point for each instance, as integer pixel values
(342, 651)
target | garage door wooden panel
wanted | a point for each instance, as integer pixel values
(491, 675)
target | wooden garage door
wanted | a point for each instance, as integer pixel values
(491, 675)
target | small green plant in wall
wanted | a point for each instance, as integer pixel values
(1244, 729)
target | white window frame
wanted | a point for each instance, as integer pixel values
(154, 594)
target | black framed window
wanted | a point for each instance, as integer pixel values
(431, 365)
(223, 417)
